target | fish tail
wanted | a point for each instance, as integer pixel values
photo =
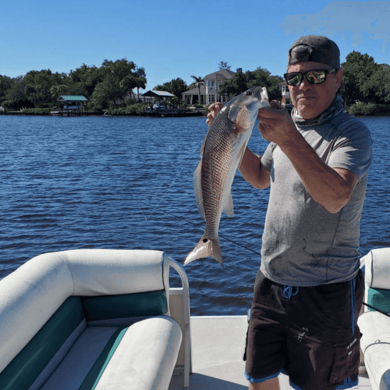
(205, 248)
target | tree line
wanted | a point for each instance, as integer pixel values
(106, 86)
(366, 84)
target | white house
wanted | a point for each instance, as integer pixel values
(285, 93)
(209, 91)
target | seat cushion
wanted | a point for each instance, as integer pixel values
(35, 362)
(83, 363)
(379, 298)
(140, 357)
(375, 344)
(145, 358)
(107, 307)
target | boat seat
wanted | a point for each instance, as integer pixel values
(375, 326)
(92, 319)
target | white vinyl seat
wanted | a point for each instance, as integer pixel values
(375, 326)
(94, 319)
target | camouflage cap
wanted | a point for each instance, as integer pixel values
(316, 48)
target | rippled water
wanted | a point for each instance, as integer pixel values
(126, 183)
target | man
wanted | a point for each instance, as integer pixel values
(309, 289)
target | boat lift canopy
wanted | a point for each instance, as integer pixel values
(158, 94)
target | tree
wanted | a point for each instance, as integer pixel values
(118, 81)
(5, 84)
(224, 65)
(140, 80)
(198, 81)
(83, 80)
(358, 77)
(16, 96)
(175, 86)
(243, 81)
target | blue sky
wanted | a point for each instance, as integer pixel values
(175, 38)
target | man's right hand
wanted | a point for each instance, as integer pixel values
(213, 112)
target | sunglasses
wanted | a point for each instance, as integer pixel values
(316, 76)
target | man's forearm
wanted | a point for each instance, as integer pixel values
(252, 171)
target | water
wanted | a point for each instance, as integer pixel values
(126, 183)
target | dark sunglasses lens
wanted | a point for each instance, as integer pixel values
(316, 77)
(294, 78)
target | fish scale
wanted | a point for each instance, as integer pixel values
(221, 154)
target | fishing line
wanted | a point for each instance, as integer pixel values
(221, 235)
(374, 308)
(179, 217)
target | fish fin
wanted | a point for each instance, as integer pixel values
(205, 248)
(198, 189)
(242, 152)
(227, 206)
(264, 97)
(242, 121)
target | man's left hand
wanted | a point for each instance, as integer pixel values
(276, 124)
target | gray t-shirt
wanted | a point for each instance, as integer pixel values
(303, 243)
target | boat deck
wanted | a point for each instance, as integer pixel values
(217, 351)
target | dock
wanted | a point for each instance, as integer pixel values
(174, 113)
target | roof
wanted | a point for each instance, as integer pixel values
(195, 91)
(158, 94)
(222, 74)
(72, 98)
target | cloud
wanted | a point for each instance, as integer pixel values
(342, 17)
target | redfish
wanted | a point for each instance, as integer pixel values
(221, 155)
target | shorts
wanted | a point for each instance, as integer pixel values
(308, 333)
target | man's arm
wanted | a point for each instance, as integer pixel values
(252, 170)
(332, 188)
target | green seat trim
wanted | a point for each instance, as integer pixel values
(93, 377)
(379, 298)
(26, 367)
(110, 307)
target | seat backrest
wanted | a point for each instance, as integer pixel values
(377, 278)
(377, 268)
(33, 293)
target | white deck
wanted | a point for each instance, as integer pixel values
(217, 351)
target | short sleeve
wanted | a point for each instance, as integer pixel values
(353, 148)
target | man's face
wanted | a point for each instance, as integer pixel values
(312, 100)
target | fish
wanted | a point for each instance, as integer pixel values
(221, 154)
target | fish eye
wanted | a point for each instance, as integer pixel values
(249, 93)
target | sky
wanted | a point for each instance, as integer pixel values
(181, 38)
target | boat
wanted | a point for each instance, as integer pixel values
(164, 347)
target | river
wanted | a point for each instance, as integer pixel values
(126, 183)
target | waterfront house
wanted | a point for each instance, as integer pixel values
(209, 92)
(285, 93)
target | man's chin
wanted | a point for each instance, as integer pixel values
(307, 112)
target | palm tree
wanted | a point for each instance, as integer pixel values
(140, 80)
(198, 81)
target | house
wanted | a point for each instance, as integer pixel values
(285, 93)
(209, 91)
